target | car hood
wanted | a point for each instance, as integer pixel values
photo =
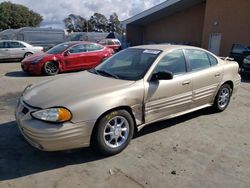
(71, 89)
(38, 56)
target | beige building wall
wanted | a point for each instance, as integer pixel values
(184, 26)
(231, 19)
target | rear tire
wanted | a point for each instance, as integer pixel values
(50, 68)
(222, 98)
(113, 132)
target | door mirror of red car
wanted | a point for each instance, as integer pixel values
(67, 53)
(163, 75)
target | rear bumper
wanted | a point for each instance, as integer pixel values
(236, 83)
(49, 136)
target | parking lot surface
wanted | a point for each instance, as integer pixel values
(200, 149)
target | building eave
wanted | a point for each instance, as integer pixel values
(164, 9)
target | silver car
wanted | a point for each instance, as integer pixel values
(13, 49)
(104, 106)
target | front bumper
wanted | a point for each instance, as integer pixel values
(50, 136)
(35, 69)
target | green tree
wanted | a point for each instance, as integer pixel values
(98, 23)
(114, 24)
(75, 23)
(15, 16)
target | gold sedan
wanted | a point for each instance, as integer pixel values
(104, 106)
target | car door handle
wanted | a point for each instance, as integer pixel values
(186, 82)
(6, 50)
(217, 74)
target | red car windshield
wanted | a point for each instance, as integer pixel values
(58, 49)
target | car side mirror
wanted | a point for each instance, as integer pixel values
(163, 75)
(67, 53)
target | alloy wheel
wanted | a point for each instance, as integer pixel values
(116, 132)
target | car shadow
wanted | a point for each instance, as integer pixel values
(19, 74)
(19, 159)
(25, 74)
(10, 61)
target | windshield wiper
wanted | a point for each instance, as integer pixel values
(103, 72)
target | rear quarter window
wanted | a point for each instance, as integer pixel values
(110, 42)
(212, 59)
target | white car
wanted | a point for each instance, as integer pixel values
(13, 49)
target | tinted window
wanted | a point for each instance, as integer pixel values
(16, 45)
(78, 49)
(198, 59)
(103, 42)
(58, 49)
(110, 42)
(173, 62)
(93, 47)
(117, 42)
(212, 59)
(3, 45)
(239, 49)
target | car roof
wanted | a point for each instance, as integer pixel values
(78, 42)
(10, 41)
(166, 47)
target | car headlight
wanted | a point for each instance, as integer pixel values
(246, 61)
(36, 61)
(56, 115)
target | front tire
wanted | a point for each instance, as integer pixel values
(222, 98)
(113, 132)
(50, 68)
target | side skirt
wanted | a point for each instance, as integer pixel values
(174, 115)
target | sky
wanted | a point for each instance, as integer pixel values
(54, 11)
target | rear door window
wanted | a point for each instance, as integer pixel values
(103, 42)
(198, 59)
(78, 49)
(3, 45)
(16, 45)
(93, 47)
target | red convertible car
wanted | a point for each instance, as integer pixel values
(67, 56)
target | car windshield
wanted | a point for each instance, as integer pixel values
(129, 64)
(58, 49)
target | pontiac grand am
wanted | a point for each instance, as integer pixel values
(104, 106)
